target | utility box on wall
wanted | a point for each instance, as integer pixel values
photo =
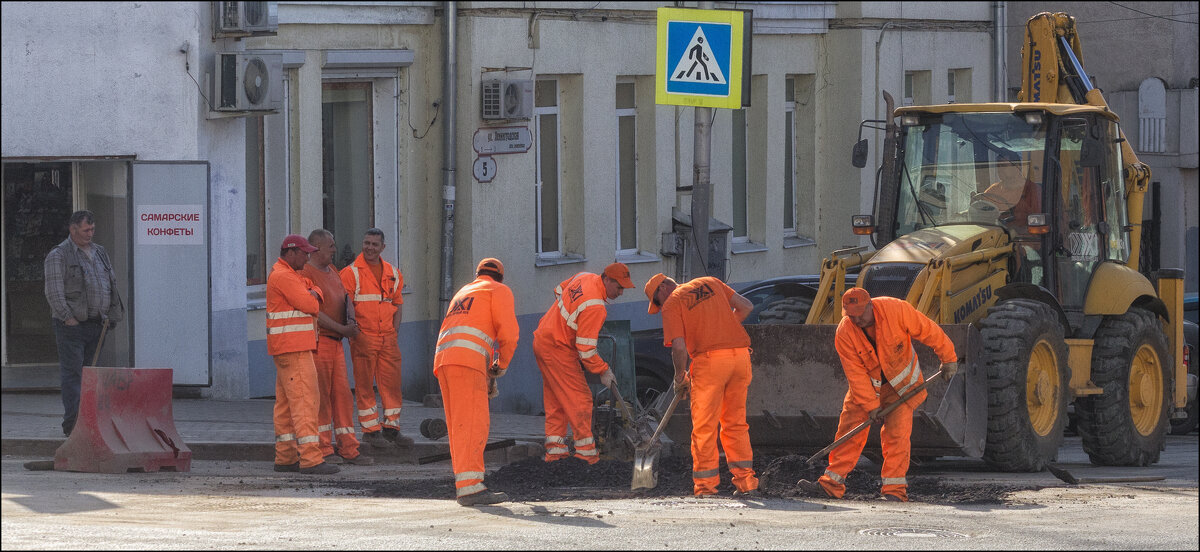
(680, 244)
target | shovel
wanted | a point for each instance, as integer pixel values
(645, 457)
(1067, 477)
(886, 410)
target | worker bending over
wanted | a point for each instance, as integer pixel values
(374, 286)
(474, 346)
(874, 341)
(565, 339)
(702, 320)
(293, 302)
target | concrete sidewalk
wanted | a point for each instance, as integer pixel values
(31, 424)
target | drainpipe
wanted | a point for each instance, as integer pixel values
(449, 95)
(999, 52)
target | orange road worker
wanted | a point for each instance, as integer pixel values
(292, 306)
(874, 341)
(566, 339)
(335, 416)
(702, 321)
(374, 286)
(475, 344)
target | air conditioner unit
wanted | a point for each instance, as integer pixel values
(247, 82)
(237, 19)
(506, 99)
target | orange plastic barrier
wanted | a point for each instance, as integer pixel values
(125, 424)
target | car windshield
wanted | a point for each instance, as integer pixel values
(976, 168)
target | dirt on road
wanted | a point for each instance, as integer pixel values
(570, 479)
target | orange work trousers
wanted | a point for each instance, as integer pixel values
(566, 399)
(296, 410)
(335, 415)
(720, 380)
(465, 399)
(376, 361)
(894, 439)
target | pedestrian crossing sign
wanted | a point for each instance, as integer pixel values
(700, 57)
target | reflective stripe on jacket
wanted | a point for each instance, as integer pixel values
(480, 322)
(374, 302)
(291, 311)
(575, 318)
(897, 323)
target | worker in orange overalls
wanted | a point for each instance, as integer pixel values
(292, 306)
(565, 339)
(335, 416)
(476, 343)
(374, 286)
(702, 320)
(874, 341)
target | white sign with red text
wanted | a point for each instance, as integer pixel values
(169, 224)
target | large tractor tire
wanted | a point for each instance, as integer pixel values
(1025, 355)
(1127, 424)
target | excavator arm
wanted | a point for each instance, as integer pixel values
(1052, 72)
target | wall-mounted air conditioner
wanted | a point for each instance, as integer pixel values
(247, 82)
(506, 99)
(237, 19)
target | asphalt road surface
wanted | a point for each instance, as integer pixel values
(246, 505)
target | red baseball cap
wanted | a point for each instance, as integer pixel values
(620, 273)
(296, 240)
(855, 301)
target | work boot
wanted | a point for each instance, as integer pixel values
(707, 495)
(333, 459)
(811, 488)
(392, 434)
(324, 468)
(752, 493)
(360, 460)
(482, 498)
(377, 441)
(893, 498)
(293, 467)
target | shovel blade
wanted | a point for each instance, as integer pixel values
(645, 468)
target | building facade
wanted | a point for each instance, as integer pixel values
(101, 113)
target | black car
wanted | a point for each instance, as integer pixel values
(1191, 347)
(783, 300)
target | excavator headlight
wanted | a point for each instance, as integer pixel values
(1038, 223)
(864, 225)
(1033, 118)
(910, 120)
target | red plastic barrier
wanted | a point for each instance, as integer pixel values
(125, 424)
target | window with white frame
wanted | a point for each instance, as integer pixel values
(547, 190)
(267, 197)
(916, 88)
(789, 156)
(256, 220)
(626, 155)
(348, 183)
(741, 231)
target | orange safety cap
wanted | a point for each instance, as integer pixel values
(620, 273)
(651, 288)
(491, 264)
(855, 301)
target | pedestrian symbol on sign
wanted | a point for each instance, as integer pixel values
(699, 65)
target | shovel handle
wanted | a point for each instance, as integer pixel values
(666, 416)
(100, 342)
(624, 408)
(886, 410)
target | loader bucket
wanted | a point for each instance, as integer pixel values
(796, 395)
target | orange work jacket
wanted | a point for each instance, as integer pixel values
(699, 312)
(575, 318)
(291, 311)
(480, 323)
(374, 302)
(897, 323)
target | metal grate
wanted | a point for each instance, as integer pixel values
(890, 279)
(912, 532)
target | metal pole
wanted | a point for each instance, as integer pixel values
(449, 94)
(701, 187)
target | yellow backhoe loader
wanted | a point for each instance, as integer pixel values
(1017, 227)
